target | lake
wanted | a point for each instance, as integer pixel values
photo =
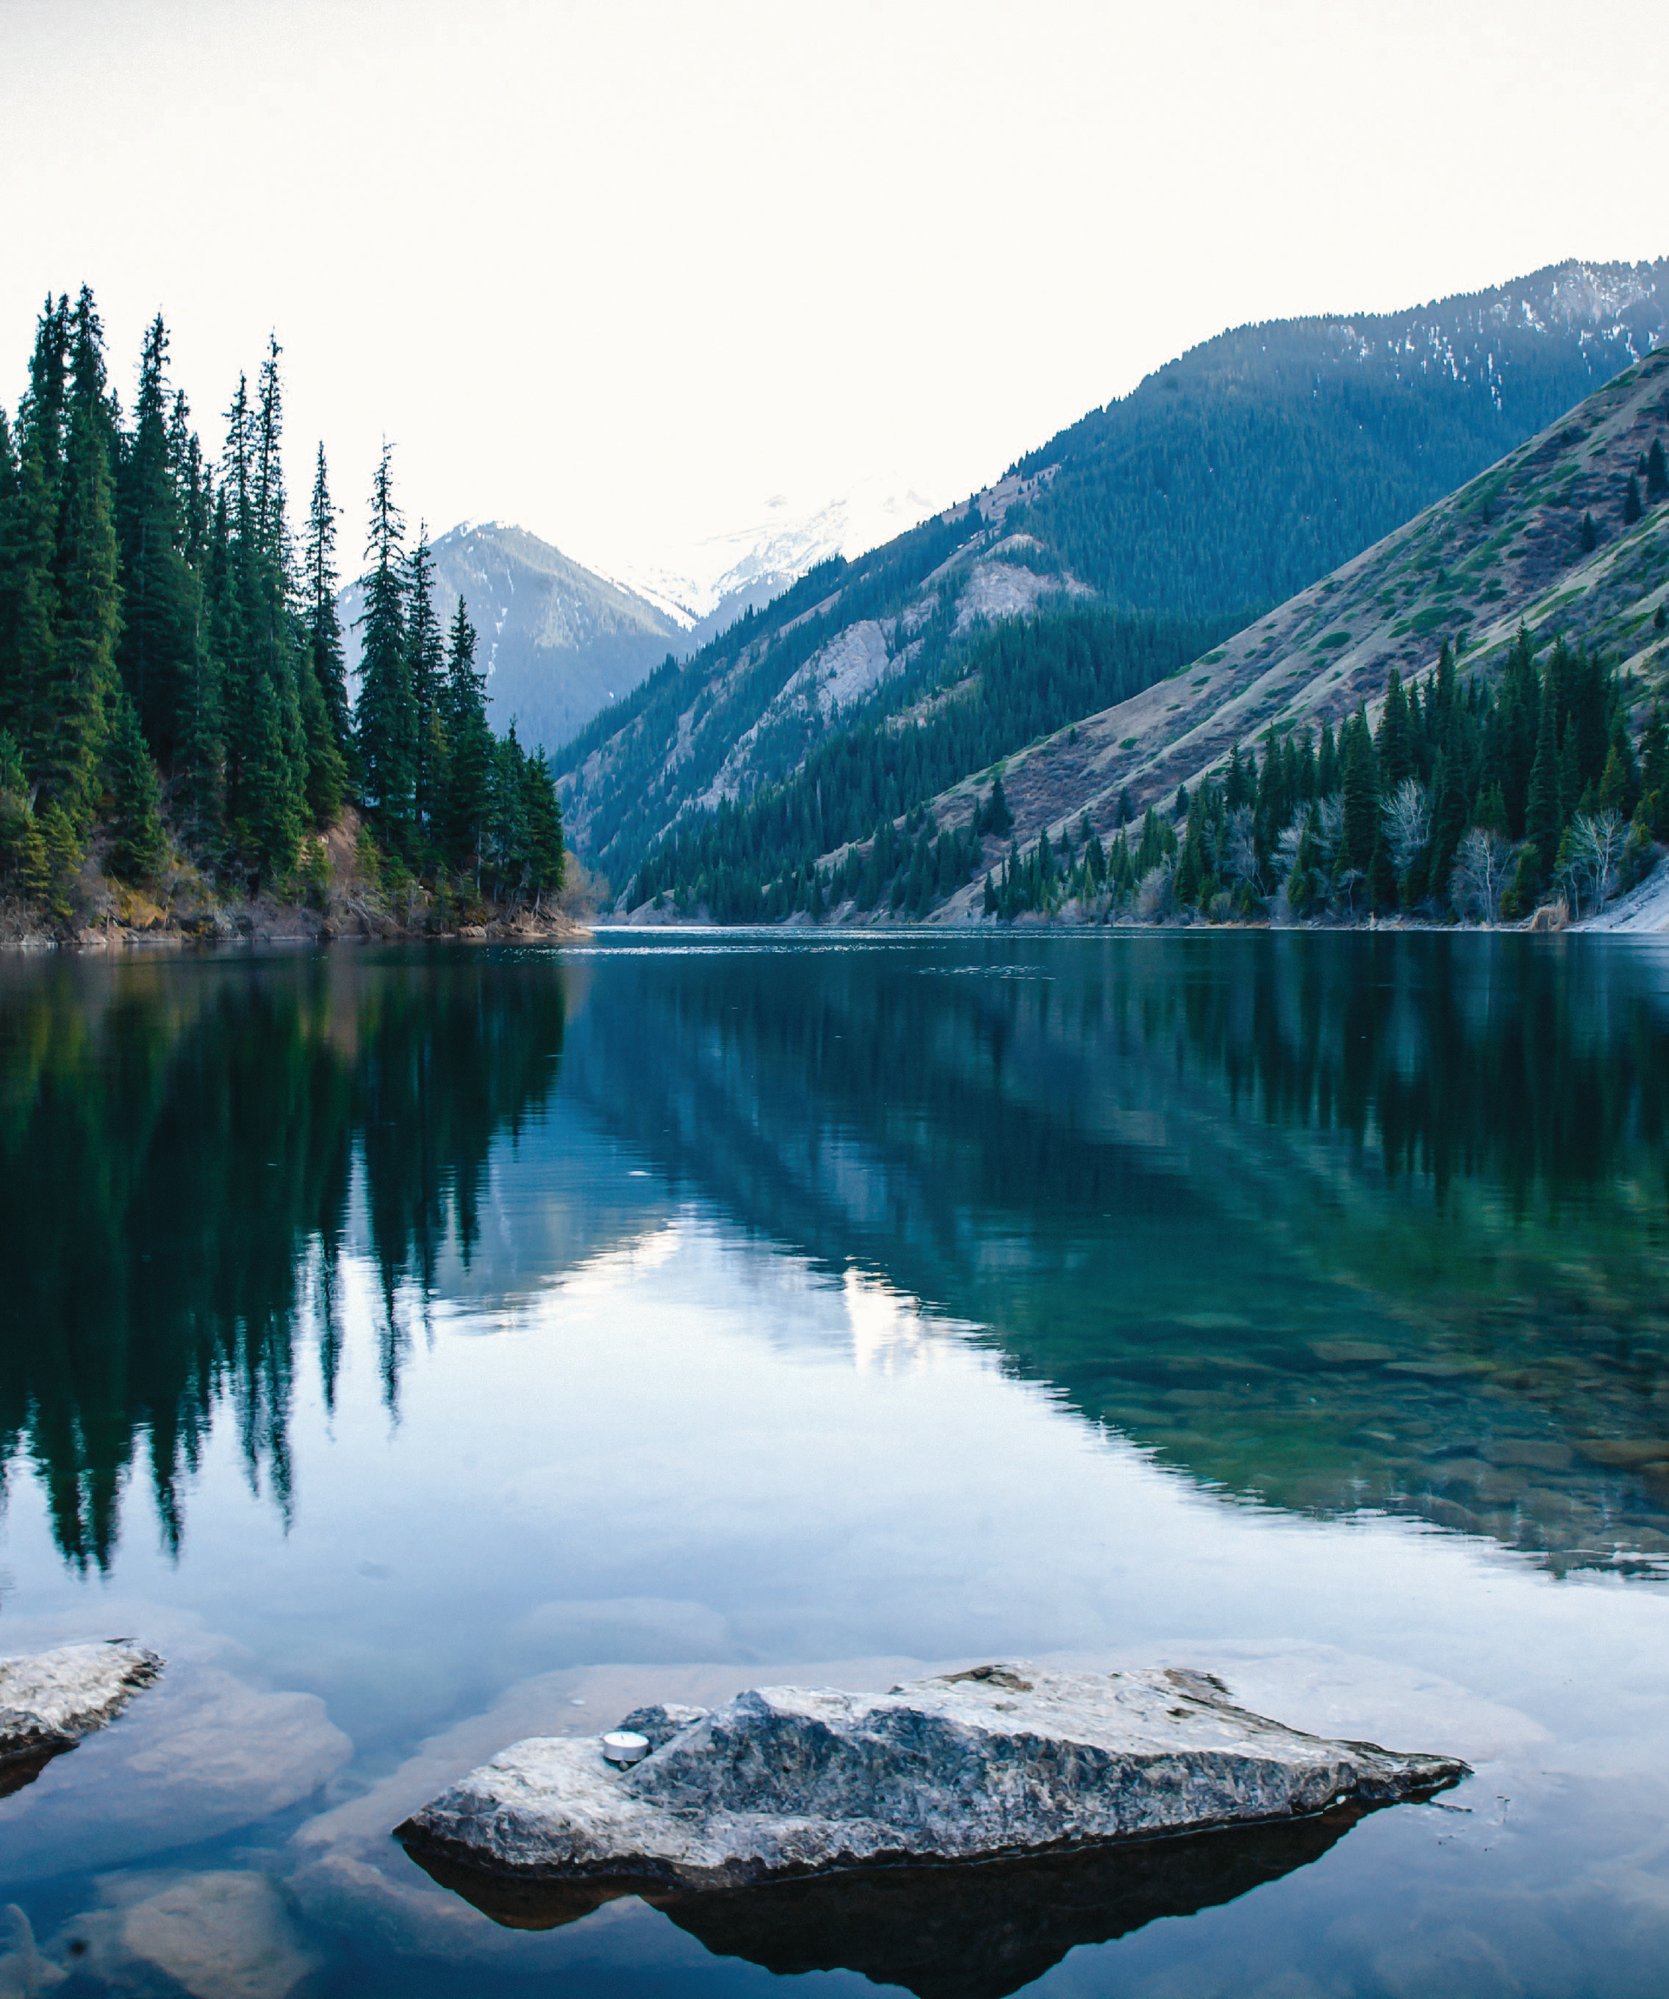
(425, 1349)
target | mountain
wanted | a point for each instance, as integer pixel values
(1510, 549)
(710, 584)
(1224, 483)
(558, 642)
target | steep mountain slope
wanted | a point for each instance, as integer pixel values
(558, 642)
(1223, 483)
(1510, 548)
(1352, 424)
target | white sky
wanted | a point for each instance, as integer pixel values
(620, 269)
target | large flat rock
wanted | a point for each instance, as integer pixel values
(49, 1700)
(997, 1762)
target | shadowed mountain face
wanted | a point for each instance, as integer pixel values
(980, 1930)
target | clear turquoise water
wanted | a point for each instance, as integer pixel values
(429, 1349)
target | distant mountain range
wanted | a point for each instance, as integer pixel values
(557, 641)
(1226, 482)
(560, 642)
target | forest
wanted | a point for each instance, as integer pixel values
(1160, 500)
(1472, 800)
(177, 718)
(755, 861)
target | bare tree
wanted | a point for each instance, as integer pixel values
(1288, 841)
(1406, 816)
(1154, 899)
(1593, 850)
(1328, 828)
(1241, 849)
(1480, 874)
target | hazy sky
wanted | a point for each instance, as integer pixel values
(620, 271)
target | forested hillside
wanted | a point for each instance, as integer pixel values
(1565, 542)
(1266, 457)
(176, 725)
(1222, 484)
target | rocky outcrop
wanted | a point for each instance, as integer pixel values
(49, 1701)
(1001, 1761)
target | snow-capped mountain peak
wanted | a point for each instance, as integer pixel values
(753, 562)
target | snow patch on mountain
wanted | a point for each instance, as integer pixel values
(762, 558)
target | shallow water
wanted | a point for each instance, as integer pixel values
(427, 1349)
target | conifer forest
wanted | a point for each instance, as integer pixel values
(178, 724)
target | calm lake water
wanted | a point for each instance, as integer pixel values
(425, 1349)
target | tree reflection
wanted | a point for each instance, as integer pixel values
(182, 1147)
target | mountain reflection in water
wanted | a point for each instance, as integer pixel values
(1326, 1222)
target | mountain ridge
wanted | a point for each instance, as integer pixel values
(1228, 481)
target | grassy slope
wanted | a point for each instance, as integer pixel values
(1504, 549)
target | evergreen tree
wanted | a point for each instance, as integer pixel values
(160, 613)
(84, 669)
(1657, 473)
(138, 845)
(426, 673)
(470, 764)
(1542, 815)
(1632, 508)
(324, 627)
(1360, 785)
(386, 718)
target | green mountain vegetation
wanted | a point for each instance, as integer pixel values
(1549, 571)
(176, 723)
(736, 782)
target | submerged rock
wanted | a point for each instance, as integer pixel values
(997, 1762)
(52, 1699)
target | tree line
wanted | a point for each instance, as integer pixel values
(759, 859)
(174, 688)
(1469, 800)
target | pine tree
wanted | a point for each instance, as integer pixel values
(157, 651)
(469, 767)
(1632, 508)
(276, 817)
(1657, 473)
(1589, 536)
(1360, 784)
(1542, 816)
(324, 627)
(386, 718)
(426, 672)
(138, 846)
(84, 671)
(57, 857)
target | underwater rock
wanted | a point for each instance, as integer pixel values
(203, 1754)
(50, 1700)
(997, 1761)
